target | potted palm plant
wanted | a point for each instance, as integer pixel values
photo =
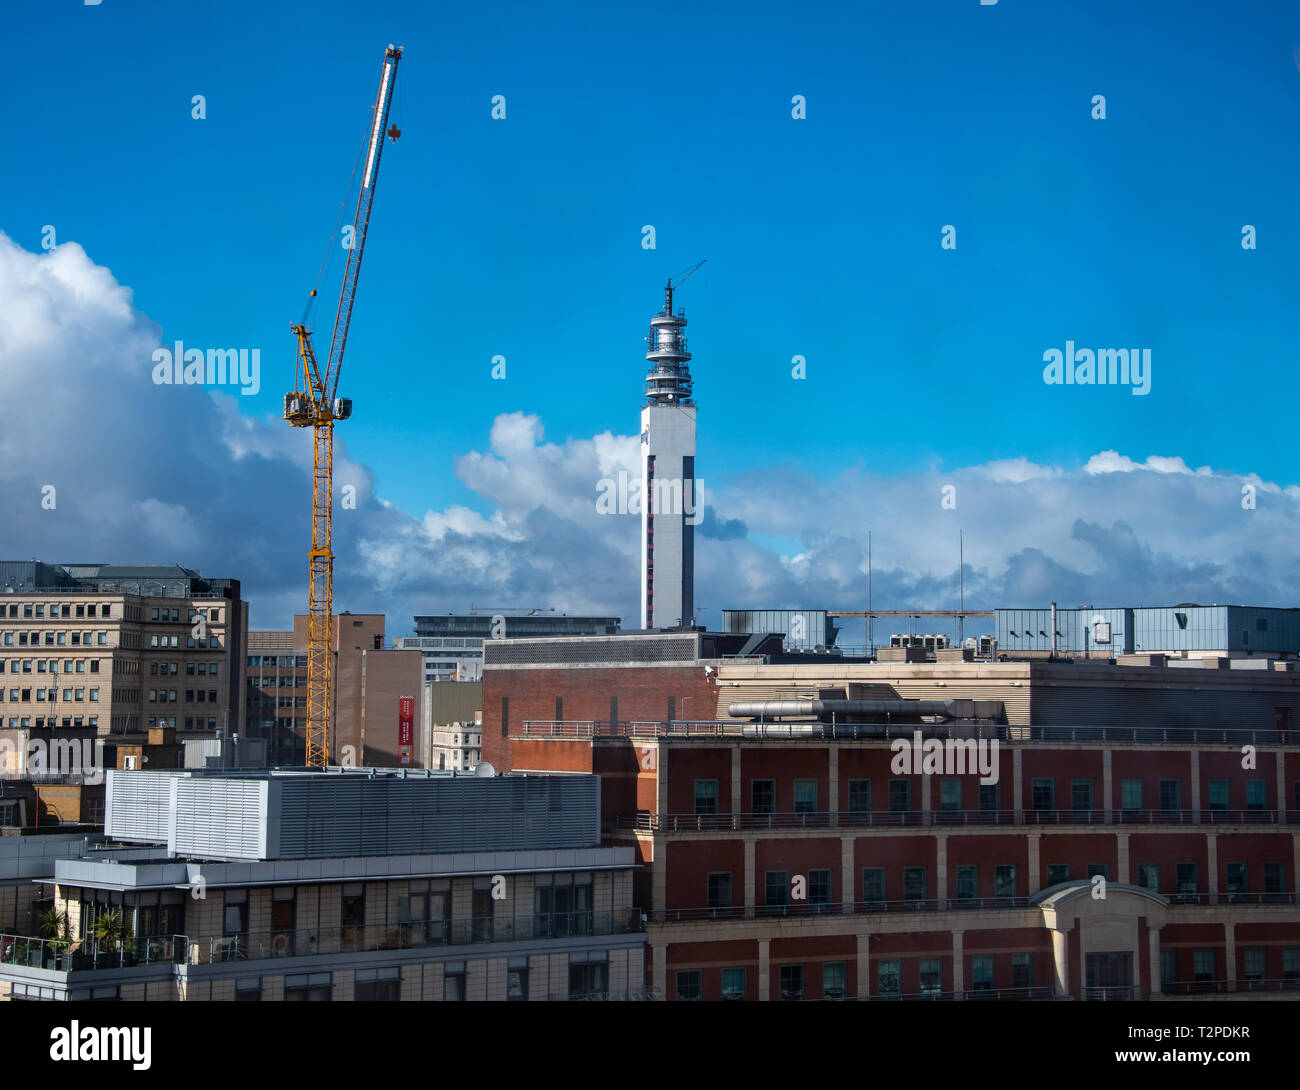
(53, 925)
(108, 928)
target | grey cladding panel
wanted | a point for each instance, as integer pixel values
(387, 816)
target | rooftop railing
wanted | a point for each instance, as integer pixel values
(803, 909)
(894, 819)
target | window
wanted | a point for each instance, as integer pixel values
(353, 910)
(819, 890)
(235, 917)
(888, 979)
(1273, 877)
(517, 985)
(453, 985)
(1168, 966)
(1253, 963)
(1057, 873)
(378, 985)
(1203, 964)
(1022, 970)
(706, 797)
(1081, 796)
(1291, 963)
(1171, 795)
(1095, 869)
(1218, 795)
(950, 795)
(733, 983)
(1044, 794)
(1256, 795)
(589, 979)
(776, 891)
(833, 975)
(1149, 876)
(313, 987)
(931, 976)
(859, 796)
(1004, 881)
(719, 890)
(1236, 874)
(688, 984)
(248, 990)
(1186, 877)
(990, 798)
(792, 982)
(968, 883)
(900, 796)
(762, 794)
(981, 974)
(805, 796)
(873, 886)
(914, 883)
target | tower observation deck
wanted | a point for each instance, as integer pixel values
(669, 379)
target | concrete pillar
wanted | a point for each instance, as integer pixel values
(941, 865)
(659, 960)
(926, 818)
(1196, 786)
(736, 796)
(1153, 956)
(1212, 862)
(833, 785)
(1122, 866)
(1230, 954)
(1061, 963)
(751, 879)
(864, 965)
(764, 969)
(1107, 787)
(1035, 864)
(847, 874)
(1017, 804)
(1279, 769)
(958, 966)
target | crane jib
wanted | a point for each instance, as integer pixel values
(377, 131)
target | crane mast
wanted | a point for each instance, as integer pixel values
(314, 403)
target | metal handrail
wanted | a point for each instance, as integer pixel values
(651, 821)
(299, 942)
(76, 955)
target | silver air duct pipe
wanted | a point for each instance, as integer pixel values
(952, 709)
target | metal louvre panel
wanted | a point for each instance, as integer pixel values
(138, 805)
(219, 819)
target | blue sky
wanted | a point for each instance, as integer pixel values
(522, 237)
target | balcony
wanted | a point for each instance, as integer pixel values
(89, 955)
(648, 821)
(368, 938)
(79, 955)
(804, 909)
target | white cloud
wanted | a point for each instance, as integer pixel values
(153, 474)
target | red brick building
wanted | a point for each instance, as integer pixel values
(1142, 837)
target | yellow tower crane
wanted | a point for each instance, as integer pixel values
(314, 403)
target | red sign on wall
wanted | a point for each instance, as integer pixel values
(405, 728)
